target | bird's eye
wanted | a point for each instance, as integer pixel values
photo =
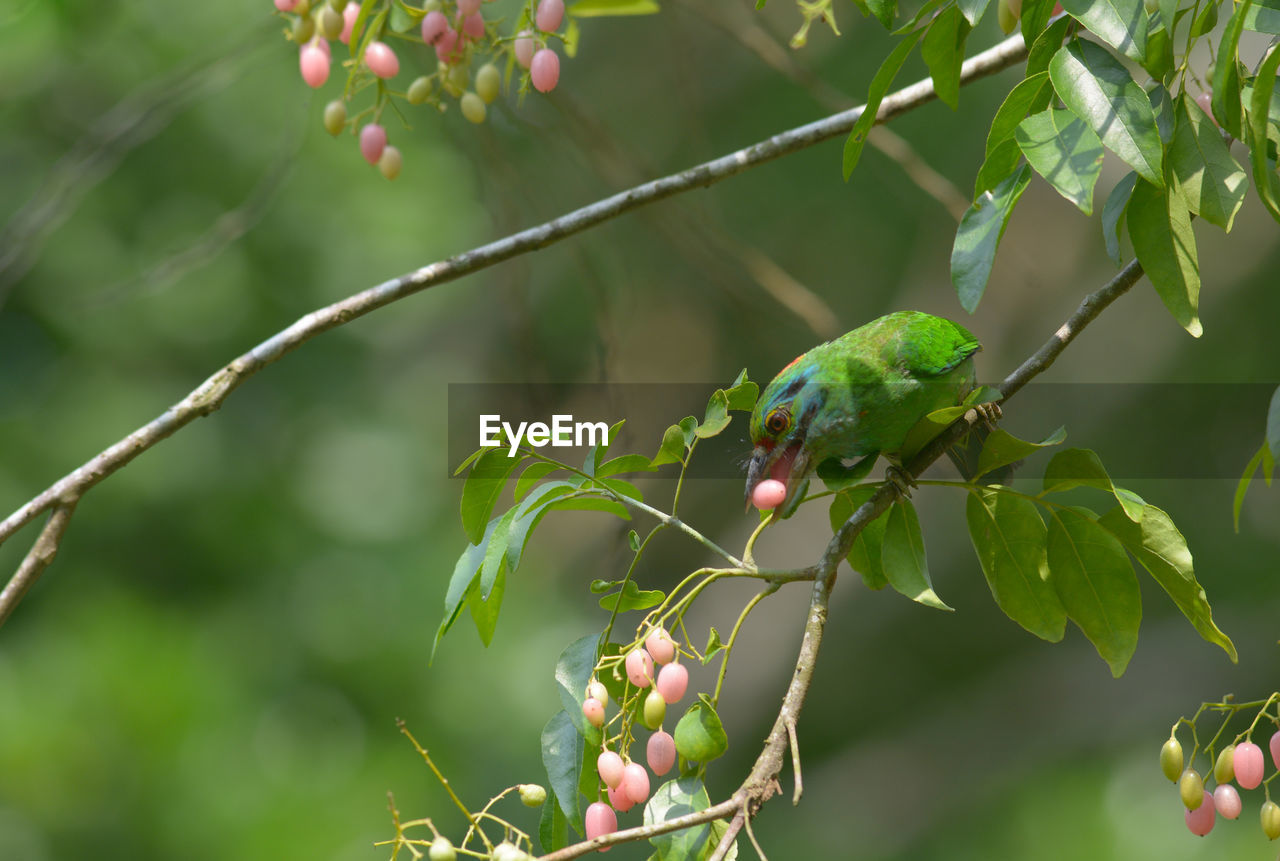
(776, 422)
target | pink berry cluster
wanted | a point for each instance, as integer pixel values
(626, 782)
(464, 52)
(1242, 763)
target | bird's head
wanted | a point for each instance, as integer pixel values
(780, 427)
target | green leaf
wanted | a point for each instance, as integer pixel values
(400, 20)
(1122, 24)
(718, 829)
(1046, 45)
(553, 827)
(1225, 99)
(903, 556)
(632, 597)
(688, 429)
(484, 608)
(1265, 179)
(604, 8)
(1205, 21)
(973, 10)
(836, 476)
(1263, 17)
(1213, 183)
(495, 554)
(484, 484)
(1100, 91)
(1273, 424)
(673, 799)
(879, 86)
(1159, 57)
(1030, 95)
(1113, 214)
(592, 503)
(534, 473)
(463, 581)
(1162, 107)
(357, 27)
(573, 671)
(884, 10)
(1010, 540)
(743, 393)
(562, 748)
(624, 464)
(713, 645)
(1002, 448)
(717, 416)
(1242, 487)
(981, 229)
(1160, 548)
(633, 541)
(672, 448)
(864, 556)
(1081, 467)
(1096, 584)
(927, 428)
(943, 52)
(1064, 151)
(1160, 229)
(997, 167)
(699, 735)
(1035, 18)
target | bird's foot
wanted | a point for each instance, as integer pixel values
(899, 478)
(988, 413)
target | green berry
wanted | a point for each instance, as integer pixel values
(442, 850)
(1191, 788)
(419, 90)
(303, 28)
(532, 795)
(473, 107)
(335, 117)
(456, 80)
(488, 83)
(329, 22)
(390, 162)
(1222, 769)
(655, 709)
(1271, 819)
(1171, 759)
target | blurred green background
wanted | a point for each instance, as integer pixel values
(212, 667)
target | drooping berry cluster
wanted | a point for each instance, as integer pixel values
(626, 782)
(453, 34)
(1241, 764)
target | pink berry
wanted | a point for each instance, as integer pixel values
(1200, 820)
(610, 766)
(660, 645)
(286, 5)
(640, 668)
(1248, 765)
(768, 494)
(1205, 101)
(349, 13)
(1226, 800)
(446, 46)
(433, 26)
(314, 64)
(544, 70)
(619, 799)
(1275, 748)
(593, 711)
(635, 781)
(524, 48)
(550, 14)
(373, 140)
(381, 60)
(661, 752)
(673, 681)
(596, 689)
(323, 45)
(466, 7)
(600, 819)
(473, 26)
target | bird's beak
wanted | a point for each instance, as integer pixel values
(786, 463)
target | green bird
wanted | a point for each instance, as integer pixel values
(858, 396)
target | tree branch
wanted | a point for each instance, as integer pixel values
(211, 394)
(762, 782)
(37, 559)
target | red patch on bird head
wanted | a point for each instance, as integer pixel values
(792, 362)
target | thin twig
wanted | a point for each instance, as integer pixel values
(795, 762)
(37, 559)
(210, 395)
(751, 835)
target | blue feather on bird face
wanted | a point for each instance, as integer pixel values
(779, 427)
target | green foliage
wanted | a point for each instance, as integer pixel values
(603, 8)
(903, 557)
(864, 557)
(880, 84)
(1160, 228)
(1265, 457)
(1064, 151)
(943, 52)
(700, 737)
(562, 748)
(673, 799)
(979, 235)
